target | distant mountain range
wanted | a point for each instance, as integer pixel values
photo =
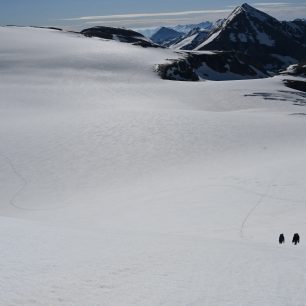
(182, 28)
(206, 25)
(248, 44)
(191, 40)
(168, 36)
(258, 40)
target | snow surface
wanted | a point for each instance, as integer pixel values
(119, 188)
(147, 32)
(211, 38)
(181, 44)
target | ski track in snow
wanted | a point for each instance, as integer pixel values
(18, 192)
(23, 185)
(252, 210)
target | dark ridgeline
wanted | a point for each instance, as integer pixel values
(120, 34)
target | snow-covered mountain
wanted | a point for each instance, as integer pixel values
(186, 28)
(191, 40)
(258, 35)
(147, 32)
(185, 36)
(257, 45)
(296, 70)
(197, 35)
(165, 36)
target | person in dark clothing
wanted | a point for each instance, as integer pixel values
(296, 239)
(281, 239)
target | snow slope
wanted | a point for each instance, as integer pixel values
(119, 188)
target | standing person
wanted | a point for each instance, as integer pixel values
(281, 239)
(296, 239)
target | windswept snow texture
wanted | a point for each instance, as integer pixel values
(119, 188)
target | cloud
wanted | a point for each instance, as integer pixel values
(145, 15)
(270, 4)
(150, 19)
(140, 21)
(280, 10)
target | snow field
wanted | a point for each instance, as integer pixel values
(118, 188)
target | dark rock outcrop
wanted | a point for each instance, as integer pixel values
(296, 84)
(119, 34)
(296, 70)
(191, 40)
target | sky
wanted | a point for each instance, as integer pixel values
(137, 14)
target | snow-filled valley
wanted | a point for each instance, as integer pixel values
(120, 188)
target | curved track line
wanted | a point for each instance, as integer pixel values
(24, 183)
(252, 210)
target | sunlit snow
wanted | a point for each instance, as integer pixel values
(119, 188)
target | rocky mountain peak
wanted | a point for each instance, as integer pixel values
(248, 11)
(259, 36)
(248, 8)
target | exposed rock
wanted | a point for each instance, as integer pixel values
(296, 70)
(119, 34)
(191, 40)
(296, 84)
(257, 35)
(212, 66)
